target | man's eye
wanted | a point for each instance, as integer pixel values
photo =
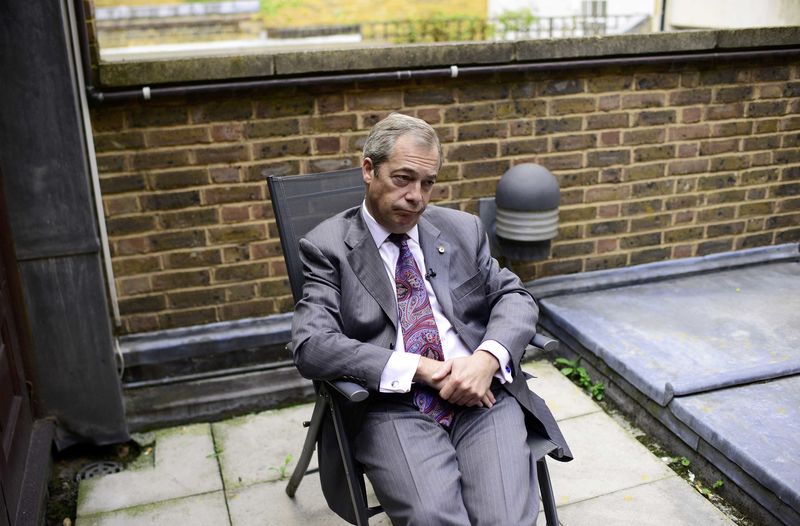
(428, 184)
(400, 180)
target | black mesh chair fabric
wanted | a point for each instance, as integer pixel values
(303, 202)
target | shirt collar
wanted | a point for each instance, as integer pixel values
(378, 233)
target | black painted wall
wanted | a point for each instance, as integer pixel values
(49, 201)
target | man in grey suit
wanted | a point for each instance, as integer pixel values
(442, 438)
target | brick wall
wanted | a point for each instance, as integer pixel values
(654, 163)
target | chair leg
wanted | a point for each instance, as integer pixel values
(546, 489)
(320, 407)
(357, 497)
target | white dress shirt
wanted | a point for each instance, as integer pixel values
(399, 372)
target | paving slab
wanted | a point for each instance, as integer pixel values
(607, 459)
(267, 504)
(669, 501)
(254, 448)
(208, 509)
(565, 399)
(184, 465)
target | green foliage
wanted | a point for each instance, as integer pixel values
(283, 471)
(516, 21)
(718, 484)
(270, 8)
(572, 370)
(441, 27)
(685, 462)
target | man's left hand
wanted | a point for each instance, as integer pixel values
(467, 380)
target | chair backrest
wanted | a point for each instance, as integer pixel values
(301, 202)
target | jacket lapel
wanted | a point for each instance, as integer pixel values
(366, 262)
(436, 251)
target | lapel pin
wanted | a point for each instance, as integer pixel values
(441, 249)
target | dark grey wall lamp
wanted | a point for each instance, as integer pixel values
(522, 218)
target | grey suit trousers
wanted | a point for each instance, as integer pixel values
(479, 472)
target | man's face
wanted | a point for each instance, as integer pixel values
(399, 191)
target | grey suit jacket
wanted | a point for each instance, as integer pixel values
(345, 325)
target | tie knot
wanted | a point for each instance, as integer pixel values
(397, 239)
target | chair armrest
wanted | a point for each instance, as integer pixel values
(351, 391)
(543, 342)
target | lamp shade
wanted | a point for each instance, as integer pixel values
(527, 199)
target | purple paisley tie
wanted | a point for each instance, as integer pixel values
(420, 335)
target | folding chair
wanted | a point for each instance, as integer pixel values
(300, 203)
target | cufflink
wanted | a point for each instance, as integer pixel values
(508, 369)
(395, 383)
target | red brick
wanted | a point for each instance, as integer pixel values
(609, 83)
(725, 111)
(148, 160)
(222, 154)
(181, 280)
(332, 103)
(427, 97)
(375, 100)
(688, 150)
(561, 162)
(235, 214)
(237, 234)
(232, 194)
(642, 100)
(571, 106)
(121, 205)
(471, 152)
(683, 133)
(607, 193)
(610, 138)
(234, 109)
(607, 245)
(644, 136)
(689, 166)
(327, 145)
(178, 136)
(608, 103)
(109, 142)
(607, 120)
(574, 142)
(719, 146)
(691, 115)
(692, 96)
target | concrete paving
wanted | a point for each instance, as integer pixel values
(231, 472)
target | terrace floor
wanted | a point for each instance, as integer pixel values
(230, 472)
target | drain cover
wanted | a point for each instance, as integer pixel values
(98, 469)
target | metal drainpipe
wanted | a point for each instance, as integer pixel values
(95, 177)
(148, 93)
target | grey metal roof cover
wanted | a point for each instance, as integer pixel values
(693, 333)
(756, 426)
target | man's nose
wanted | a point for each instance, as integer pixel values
(414, 192)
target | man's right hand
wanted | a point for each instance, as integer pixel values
(436, 374)
(426, 369)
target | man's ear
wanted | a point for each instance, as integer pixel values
(367, 170)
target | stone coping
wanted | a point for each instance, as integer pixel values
(365, 58)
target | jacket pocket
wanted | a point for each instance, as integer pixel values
(468, 286)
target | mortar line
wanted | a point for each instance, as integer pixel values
(217, 455)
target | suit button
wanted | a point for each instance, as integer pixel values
(391, 346)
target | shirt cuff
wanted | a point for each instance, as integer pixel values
(399, 372)
(497, 350)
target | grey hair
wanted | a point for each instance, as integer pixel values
(383, 136)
